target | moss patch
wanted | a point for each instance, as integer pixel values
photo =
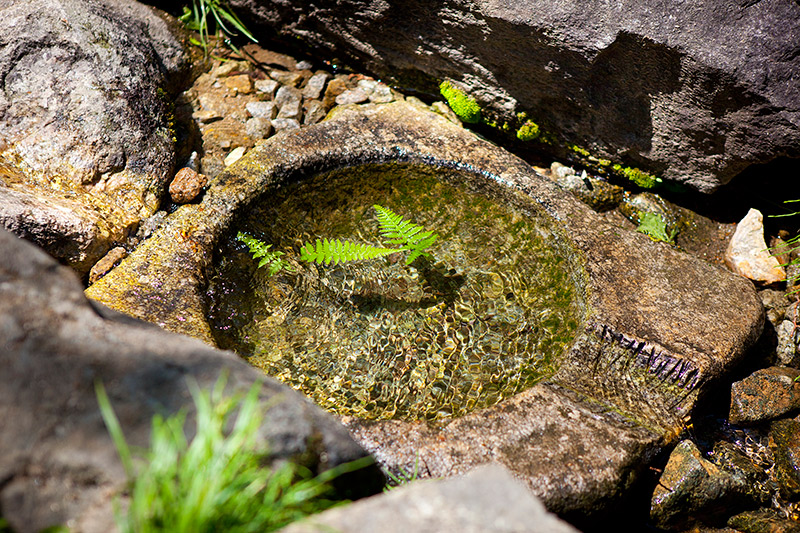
(462, 105)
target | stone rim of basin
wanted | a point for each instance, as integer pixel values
(659, 324)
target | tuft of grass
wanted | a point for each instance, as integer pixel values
(787, 248)
(218, 481)
(654, 226)
(461, 103)
(205, 13)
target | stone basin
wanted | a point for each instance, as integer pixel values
(656, 324)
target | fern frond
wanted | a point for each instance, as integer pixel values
(336, 251)
(403, 233)
(272, 259)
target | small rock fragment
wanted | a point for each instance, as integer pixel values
(290, 79)
(382, 94)
(315, 85)
(764, 395)
(285, 124)
(747, 253)
(288, 96)
(239, 84)
(235, 155)
(186, 185)
(266, 110)
(258, 127)
(267, 87)
(227, 67)
(335, 87)
(206, 116)
(304, 65)
(443, 109)
(149, 225)
(315, 112)
(784, 437)
(108, 261)
(352, 96)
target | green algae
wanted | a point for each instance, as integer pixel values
(488, 316)
(461, 103)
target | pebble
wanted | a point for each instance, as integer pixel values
(186, 185)
(315, 112)
(108, 261)
(285, 124)
(291, 109)
(227, 67)
(382, 94)
(267, 87)
(239, 84)
(206, 116)
(303, 65)
(258, 127)
(747, 253)
(287, 78)
(764, 395)
(235, 155)
(315, 85)
(352, 96)
(335, 87)
(266, 110)
(290, 96)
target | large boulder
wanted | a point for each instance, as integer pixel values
(694, 91)
(86, 140)
(58, 464)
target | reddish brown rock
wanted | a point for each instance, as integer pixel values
(764, 395)
(101, 268)
(186, 186)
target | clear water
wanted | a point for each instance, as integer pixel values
(487, 316)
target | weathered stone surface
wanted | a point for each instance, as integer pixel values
(258, 128)
(784, 436)
(747, 253)
(693, 488)
(109, 261)
(314, 112)
(239, 84)
(692, 91)
(58, 463)
(186, 185)
(316, 84)
(352, 96)
(486, 499)
(262, 109)
(764, 395)
(763, 521)
(658, 324)
(84, 111)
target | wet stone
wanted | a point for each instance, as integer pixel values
(762, 521)
(315, 85)
(352, 96)
(752, 478)
(268, 87)
(314, 112)
(784, 438)
(186, 186)
(266, 110)
(109, 261)
(764, 395)
(258, 128)
(599, 195)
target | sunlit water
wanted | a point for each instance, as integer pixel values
(488, 316)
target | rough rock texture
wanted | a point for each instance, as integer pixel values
(747, 253)
(765, 394)
(58, 464)
(486, 499)
(84, 117)
(784, 436)
(658, 324)
(694, 91)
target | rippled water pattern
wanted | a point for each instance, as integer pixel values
(485, 318)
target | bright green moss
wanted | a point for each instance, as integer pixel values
(528, 131)
(462, 105)
(578, 150)
(639, 177)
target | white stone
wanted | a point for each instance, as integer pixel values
(747, 253)
(235, 155)
(266, 110)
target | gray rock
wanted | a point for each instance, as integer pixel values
(692, 488)
(486, 499)
(352, 96)
(747, 253)
(316, 84)
(285, 124)
(84, 109)
(59, 465)
(695, 93)
(288, 98)
(314, 112)
(788, 340)
(267, 87)
(765, 394)
(775, 303)
(381, 94)
(623, 387)
(268, 110)
(258, 128)
(289, 79)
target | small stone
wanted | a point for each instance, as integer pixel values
(335, 87)
(149, 225)
(186, 186)
(109, 261)
(764, 395)
(206, 116)
(443, 109)
(266, 110)
(788, 337)
(315, 85)
(228, 67)
(775, 303)
(367, 85)
(784, 437)
(287, 95)
(258, 127)
(291, 109)
(239, 84)
(382, 94)
(352, 96)
(291, 79)
(315, 112)
(747, 253)
(235, 155)
(304, 65)
(268, 87)
(285, 124)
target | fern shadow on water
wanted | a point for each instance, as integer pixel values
(483, 309)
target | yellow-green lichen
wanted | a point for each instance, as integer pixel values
(578, 150)
(462, 104)
(529, 131)
(639, 177)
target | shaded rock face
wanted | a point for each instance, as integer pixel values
(658, 324)
(58, 464)
(692, 92)
(84, 118)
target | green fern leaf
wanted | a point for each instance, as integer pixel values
(272, 259)
(336, 251)
(405, 234)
